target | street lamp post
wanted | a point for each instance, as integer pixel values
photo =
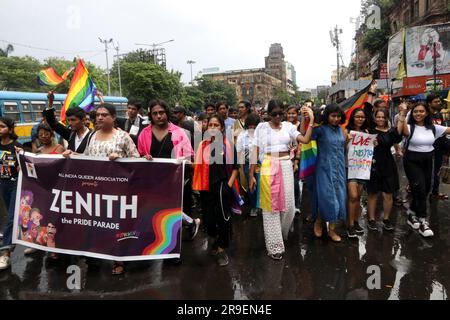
(191, 62)
(105, 42)
(118, 68)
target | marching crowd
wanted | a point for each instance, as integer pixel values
(257, 160)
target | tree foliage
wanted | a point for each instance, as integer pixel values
(139, 55)
(291, 99)
(5, 52)
(61, 65)
(215, 91)
(207, 91)
(146, 81)
(19, 73)
(375, 40)
(141, 79)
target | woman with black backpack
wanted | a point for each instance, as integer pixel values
(418, 160)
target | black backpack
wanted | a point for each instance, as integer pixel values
(442, 144)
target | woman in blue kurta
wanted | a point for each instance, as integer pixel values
(330, 188)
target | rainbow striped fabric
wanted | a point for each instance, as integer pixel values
(355, 102)
(271, 196)
(49, 77)
(82, 91)
(167, 227)
(308, 159)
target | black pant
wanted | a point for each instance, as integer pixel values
(216, 208)
(419, 171)
(187, 198)
(297, 191)
(438, 160)
(187, 192)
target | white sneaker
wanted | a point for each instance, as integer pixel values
(413, 222)
(1, 235)
(29, 251)
(425, 230)
(5, 262)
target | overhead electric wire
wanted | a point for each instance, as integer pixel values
(50, 50)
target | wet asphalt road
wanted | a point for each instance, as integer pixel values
(411, 268)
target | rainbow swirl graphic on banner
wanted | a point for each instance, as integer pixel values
(166, 226)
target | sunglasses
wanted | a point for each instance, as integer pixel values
(276, 114)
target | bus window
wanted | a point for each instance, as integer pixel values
(11, 111)
(121, 110)
(26, 111)
(38, 107)
(57, 106)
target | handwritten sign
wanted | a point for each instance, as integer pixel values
(360, 154)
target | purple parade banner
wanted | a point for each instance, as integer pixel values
(124, 210)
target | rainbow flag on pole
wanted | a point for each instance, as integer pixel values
(49, 77)
(82, 91)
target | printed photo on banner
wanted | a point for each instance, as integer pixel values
(31, 170)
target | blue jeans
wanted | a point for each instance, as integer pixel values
(8, 189)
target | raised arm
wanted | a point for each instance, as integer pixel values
(306, 138)
(402, 128)
(372, 94)
(100, 97)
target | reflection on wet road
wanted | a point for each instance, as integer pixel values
(411, 268)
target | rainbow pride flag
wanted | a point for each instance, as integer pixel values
(82, 91)
(49, 77)
(355, 102)
(308, 159)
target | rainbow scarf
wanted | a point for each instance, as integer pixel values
(49, 77)
(271, 196)
(82, 91)
(201, 171)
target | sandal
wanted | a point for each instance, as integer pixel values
(118, 269)
(440, 196)
(334, 237)
(318, 229)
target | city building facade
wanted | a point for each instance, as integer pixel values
(259, 85)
